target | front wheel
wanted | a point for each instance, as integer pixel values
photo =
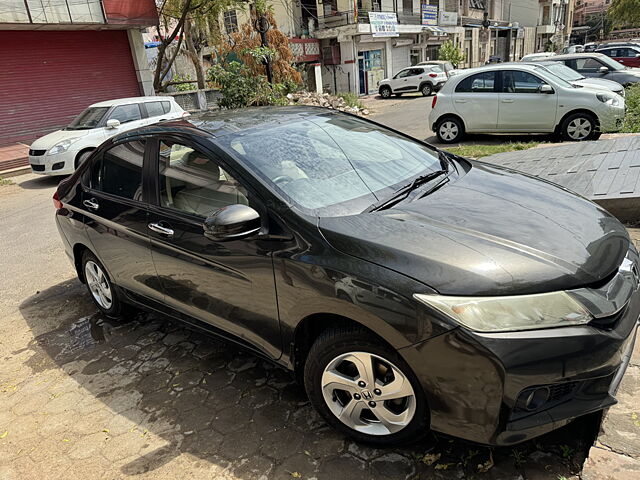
(578, 127)
(385, 92)
(450, 130)
(364, 389)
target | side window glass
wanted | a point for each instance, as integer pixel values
(520, 82)
(119, 171)
(126, 113)
(154, 109)
(166, 107)
(403, 73)
(587, 65)
(478, 83)
(192, 182)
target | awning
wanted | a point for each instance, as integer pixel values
(434, 29)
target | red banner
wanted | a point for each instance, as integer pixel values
(131, 12)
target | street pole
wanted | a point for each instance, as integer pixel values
(262, 26)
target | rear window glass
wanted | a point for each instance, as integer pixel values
(154, 109)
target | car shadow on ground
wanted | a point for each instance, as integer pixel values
(44, 181)
(143, 391)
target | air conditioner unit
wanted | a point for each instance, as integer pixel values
(331, 55)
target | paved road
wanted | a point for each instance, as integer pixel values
(84, 397)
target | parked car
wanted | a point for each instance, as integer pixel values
(571, 76)
(597, 65)
(447, 67)
(60, 152)
(493, 59)
(573, 49)
(522, 98)
(627, 55)
(590, 47)
(520, 299)
(536, 56)
(425, 79)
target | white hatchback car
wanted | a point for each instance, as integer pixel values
(60, 152)
(420, 78)
(522, 98)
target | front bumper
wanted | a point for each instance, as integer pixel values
(475, 382)
(611, 119)
(60, 164)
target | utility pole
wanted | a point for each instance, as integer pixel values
(262, 25)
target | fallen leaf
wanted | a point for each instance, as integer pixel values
(105, 430)
(66, 440)
(307, 453)
(444, 466)
(6, 432)
(431, 458)
(296, 475)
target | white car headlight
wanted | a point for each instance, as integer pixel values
(608, 99)
(510, 313)
(63, 146)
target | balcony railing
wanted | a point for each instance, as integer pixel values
(341, 18)
(51, 11)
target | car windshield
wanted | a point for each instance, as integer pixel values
(88, 119)
(564, 72)
(611, 63)
(542, 70)
(331, 165)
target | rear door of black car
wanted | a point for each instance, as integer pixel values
(114, 202)
(227, 284)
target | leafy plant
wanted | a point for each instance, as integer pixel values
(624, 12)
(183, 87)
(566, 450)
(632, 118)
(351, 99)
(5, 181)
(451, 52)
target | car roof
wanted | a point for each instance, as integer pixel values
(579, 55)
(498, 66)
(431, 62)
(126, 101)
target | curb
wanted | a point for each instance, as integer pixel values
(14, 172)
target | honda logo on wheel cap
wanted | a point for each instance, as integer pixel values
(366, 394)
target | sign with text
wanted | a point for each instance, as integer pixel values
(383, 24)
(448, 18)
(429, 13)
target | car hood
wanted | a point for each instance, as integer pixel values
(491, 231)
(48, 141)
(600, 83)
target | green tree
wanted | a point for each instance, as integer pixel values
(625, 13)
(451, 53)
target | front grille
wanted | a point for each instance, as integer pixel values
(36, 153)
(37, 168)
(561, 390)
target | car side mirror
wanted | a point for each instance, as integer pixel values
(232, 222)
(545, 88)
(637, 55)
(603, 70)
(113, 123)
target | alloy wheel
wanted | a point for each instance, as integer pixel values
(448, 130)
(368, 393)
(579, 128)
(98, 284)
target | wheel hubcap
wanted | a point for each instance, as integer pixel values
(384, 405)
(579, 128)
(448, 130)
(98, 285)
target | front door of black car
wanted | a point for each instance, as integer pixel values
(228, 284)
(113, 200)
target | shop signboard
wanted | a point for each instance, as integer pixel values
(428, 13)
(383, 24)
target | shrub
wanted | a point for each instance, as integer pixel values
(451, 53)
(351, 99)
(632, 118)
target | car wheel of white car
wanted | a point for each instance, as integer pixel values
(426, 90)
(82, 157)
(579, 127)
(450, 130)
(385, 92)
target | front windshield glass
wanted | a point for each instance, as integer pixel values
(331, 165)
(88, 119)
(558, 79)
(611, 63)
(564, 72)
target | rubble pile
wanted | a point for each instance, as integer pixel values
(324, 100)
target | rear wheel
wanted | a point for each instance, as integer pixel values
(102, 291)
(426, 89)
(385, 92)
(450, 130)
(579, 127)
(365, 389)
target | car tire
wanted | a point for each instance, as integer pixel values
(381, 423)
(579, 127)
(100, 287)
(450, 130)
(426, 89)
(82, 157)
(385, 92)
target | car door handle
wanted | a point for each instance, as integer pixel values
(507, 100)
(156, 227)
(91, 204)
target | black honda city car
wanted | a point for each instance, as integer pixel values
(408, 288)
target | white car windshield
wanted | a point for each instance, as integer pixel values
(88, 119)
(543, 70)
(564, 72)
(331, 165)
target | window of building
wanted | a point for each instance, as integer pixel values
(119, 171)
(477, 4)
(230, 21)
(407, 7)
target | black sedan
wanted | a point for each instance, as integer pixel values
(408, 288)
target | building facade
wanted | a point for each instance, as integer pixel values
(586, 9)
(59, 57)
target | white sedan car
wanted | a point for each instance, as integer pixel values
(60, 152)
(522, 98)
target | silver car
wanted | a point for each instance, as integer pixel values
(561, 70)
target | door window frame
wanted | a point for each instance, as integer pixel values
(501, 82)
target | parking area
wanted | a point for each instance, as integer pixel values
(87, 397)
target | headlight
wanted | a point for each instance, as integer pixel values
(63, 146)
(608, 99)
(509, 313)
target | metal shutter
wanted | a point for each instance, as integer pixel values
(48, 77)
